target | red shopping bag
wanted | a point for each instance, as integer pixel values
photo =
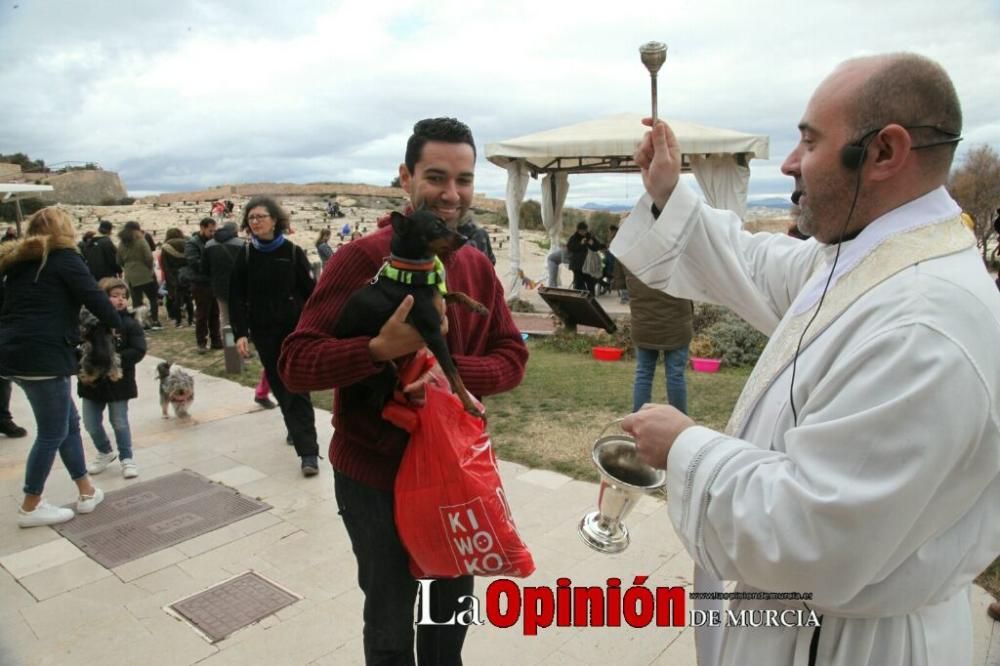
(451, 512)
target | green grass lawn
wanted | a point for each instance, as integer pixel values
(553, 418)
(550, 421)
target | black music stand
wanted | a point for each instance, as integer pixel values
(574, 307)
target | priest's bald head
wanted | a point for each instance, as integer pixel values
(879, 131)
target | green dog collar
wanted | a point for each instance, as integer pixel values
(417, 278)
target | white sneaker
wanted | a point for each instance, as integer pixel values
(87, 503)
(129, 470)
(44, 514)
(101, 462)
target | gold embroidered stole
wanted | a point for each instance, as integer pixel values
(893, 255)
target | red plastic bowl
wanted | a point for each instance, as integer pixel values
(606, 353)
(705, 364)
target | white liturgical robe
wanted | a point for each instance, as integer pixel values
(880, 494)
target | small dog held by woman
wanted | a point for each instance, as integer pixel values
(176, 388)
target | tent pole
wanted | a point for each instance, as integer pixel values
(19, 215)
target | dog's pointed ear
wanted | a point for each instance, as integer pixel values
(400, 223)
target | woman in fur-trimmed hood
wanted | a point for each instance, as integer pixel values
(45, 281)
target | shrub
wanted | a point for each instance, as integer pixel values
(599, 223)
(570, 218)
(720, 333)
(738, 343)
(563, 340)
(707, 314)
(519, 305)
(623, 338)
(25, 162)
(701, 347)
(531, 215)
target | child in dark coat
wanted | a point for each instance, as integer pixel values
(130, 343)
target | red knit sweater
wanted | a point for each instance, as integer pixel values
(488, 351)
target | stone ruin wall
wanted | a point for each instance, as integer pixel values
(84, 187)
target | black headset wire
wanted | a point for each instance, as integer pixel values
(865, 141)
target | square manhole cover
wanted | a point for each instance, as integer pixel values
(220, 610)
(150, 516)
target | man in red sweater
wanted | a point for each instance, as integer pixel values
(366, 450)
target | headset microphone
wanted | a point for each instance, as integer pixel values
(852, 156)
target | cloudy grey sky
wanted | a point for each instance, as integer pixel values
(186, 94)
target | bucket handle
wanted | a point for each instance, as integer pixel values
(617, 421)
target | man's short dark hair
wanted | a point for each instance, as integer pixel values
(206, 222)
(582, 226)
(448, 130)
(910, 90)
(104, 227)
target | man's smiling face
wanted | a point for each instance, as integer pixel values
(442, 180)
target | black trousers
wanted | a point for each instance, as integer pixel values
(584, 282)
(296, 408)
(5, 388)
(179, 302)
(390, 590)
(151, 291)
(206, 312)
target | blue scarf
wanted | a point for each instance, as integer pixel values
(267, 246)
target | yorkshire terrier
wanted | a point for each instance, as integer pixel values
(176, 388)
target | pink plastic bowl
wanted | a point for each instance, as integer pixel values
(606, 353)
(705, 364)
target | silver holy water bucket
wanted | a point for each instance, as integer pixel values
(624, 479)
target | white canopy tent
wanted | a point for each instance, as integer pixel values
(719, 159)
(17, 191)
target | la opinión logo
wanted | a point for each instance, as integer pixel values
(567, 605)
(637, 606)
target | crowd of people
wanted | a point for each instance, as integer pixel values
(255, 283)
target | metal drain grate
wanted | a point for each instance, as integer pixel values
(219, 611)
(150, 516)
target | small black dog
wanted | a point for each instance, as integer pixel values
(417, 241)
(98, 357)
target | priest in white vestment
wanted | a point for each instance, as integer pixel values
(871, 481)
